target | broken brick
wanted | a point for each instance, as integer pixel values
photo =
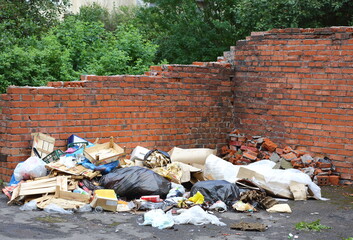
(250, 155)
(297, 163)
(287, 149)
(225, 150)
(279, 151)
(323, 165)
(334, 179)
(289, 156)
(235, 143)
(269, 145)
(246, 148)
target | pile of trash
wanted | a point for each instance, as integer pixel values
(182, 186)
(243, 150)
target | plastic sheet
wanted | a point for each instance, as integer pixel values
(31, 168)
(197, 216)
(53, 208)
(134, 182)
(30, 206)
(278, 181)
(219, 169)
(157, 218)
(215, 190)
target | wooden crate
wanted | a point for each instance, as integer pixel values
(43, 143)
(104, 153)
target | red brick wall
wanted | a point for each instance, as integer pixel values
(293, 85)
(296, 86)
(186, 106)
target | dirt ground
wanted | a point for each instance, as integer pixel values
(335, 213)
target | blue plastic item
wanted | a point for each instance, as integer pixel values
(13, 180)
(76, 139)
(105, 168)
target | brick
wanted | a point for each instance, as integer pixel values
(269, 145)
(289, 156)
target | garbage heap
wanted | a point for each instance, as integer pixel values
(174, 187)
(243, 150)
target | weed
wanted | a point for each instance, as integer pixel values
(311, 226)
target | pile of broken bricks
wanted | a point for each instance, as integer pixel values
(243, 150)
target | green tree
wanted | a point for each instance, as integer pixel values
(189, 30)
(75, 47)
(21, 20)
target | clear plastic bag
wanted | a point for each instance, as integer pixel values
(85, 208)
(53, 208)
(30, 206)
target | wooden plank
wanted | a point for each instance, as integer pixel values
(37, 191)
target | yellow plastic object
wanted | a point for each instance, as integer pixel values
(105, 193)
(198, 198)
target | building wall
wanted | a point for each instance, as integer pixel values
(296, 86)
(109, 4)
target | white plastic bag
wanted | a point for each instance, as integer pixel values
(31, 205)
(197, 216)
(33, 167)
(219, 206)
(157, 218)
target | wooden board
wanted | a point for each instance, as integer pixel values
(77, 170)
(71, 196)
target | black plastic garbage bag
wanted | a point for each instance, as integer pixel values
(134, 182)
(215, 190)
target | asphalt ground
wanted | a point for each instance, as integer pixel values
(335, 213)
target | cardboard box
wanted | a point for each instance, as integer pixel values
(105, 198)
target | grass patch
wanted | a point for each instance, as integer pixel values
(311, 226)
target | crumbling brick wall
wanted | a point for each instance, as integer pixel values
(296, 86)
(292, 85)
(186, 106)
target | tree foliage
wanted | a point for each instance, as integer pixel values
(79, 44)
(38, 45)
(189, 30)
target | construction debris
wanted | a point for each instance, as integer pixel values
(97, 176)
(243, 150)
